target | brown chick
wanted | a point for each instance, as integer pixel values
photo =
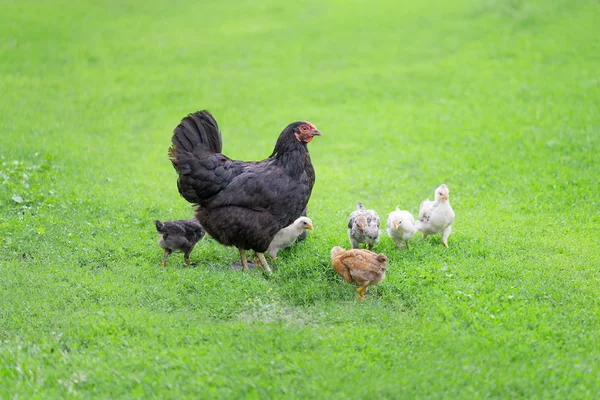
(360, 267)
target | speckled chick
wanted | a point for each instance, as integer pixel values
(363, 227)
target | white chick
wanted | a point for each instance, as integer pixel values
(401, 226)
(288, 235)
(363, 227)
(436, 217)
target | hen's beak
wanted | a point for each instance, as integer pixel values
(316, 132)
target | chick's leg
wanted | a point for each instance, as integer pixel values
(186, 255)
(407, 247)
(361, 292)
(445, 235)
(263, 262)
(164, 261)
(244, 261)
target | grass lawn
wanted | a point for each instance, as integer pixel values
(500, 100)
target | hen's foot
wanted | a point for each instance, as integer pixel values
(244, 261)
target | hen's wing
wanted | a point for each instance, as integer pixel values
(264, 186)
(214, 180)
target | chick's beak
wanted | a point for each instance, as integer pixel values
(309, 226)
(396, 224)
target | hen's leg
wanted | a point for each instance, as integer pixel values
(244, 261)
(263, 262)
(445, 235)
(164, 261)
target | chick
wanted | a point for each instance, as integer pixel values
(363, 227)
(401, 226)
(180, 235)
(286, 237)
(436, 217)
(360, 267)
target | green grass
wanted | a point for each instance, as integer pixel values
(498, 99)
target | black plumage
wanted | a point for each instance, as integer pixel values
(181, 235)
(243, 204)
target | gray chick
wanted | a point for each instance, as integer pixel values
(180, 235)
(363, 227)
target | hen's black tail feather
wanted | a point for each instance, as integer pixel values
(197, 129)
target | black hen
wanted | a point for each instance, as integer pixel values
(243, 204)
(180, 235)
